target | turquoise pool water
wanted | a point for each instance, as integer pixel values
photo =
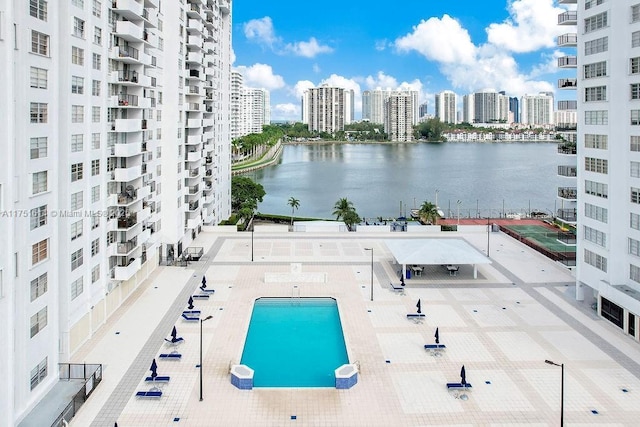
(294, 342)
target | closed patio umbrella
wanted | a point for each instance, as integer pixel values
(437, 335)
(463, 376)
(153, 369)
(419, 306)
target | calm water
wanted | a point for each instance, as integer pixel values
(294, 342)
(378, 179)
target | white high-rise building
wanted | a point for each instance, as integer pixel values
(398, 123)
(115, 118)
(374, 101)
(536, 110)
(446, 106)
(237, 87)
(256, 111)
(468, 110)
(608, 246)
(326, 108)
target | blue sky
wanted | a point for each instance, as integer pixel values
(286, 46)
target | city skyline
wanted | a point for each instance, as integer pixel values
(439, 47)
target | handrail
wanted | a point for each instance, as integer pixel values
(91, 373)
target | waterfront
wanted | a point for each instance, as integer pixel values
(378, 178)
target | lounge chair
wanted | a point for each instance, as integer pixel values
(201, 296)
(158, 379)
(170, 356)
(415, 315)
(189, 318)
(192, 313)
(458, 386)
(434, 346)
(153, 394)
(207, 291)
(177, 341)
(396, 288)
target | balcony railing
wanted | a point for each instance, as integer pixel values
(128, 100)
(570, 39)
(566, 127)
(569, 215)
(569, 17)
(569, 61)
(128, 52)
(567, 238)
(568, 171)
(570, 193)
(128, 221)
(127, 76)
(571, 83)
(567, 149)
(568, 105)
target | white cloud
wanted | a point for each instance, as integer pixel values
(442, 40)
(316, 68)
(532, 25)
(261, 30)
(308, 49)
(287, 111)
(300, 87)
(381, 80)
(261, 76)
(381, 45)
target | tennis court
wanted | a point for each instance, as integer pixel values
(546, 237)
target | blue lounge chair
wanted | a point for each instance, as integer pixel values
(170, 356)
(415, 315)
(434, 346)
(158, 379)
(396, 288)
(192, 313)
(153, 394)
(201, 296)
(458, 386)
(190, 319)
(207, 291)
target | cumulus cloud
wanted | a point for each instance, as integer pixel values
(287, 111)
(308, 49)
(381, 45)
(381, 80)
(299, 88)
(439, 39)
(261, 31)
(532, 24)
(261, 76)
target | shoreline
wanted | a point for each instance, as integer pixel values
(373, 142)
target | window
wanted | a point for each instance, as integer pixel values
(592, 47)
(634, 143)
(77, 85)
(39, 373)
(95, 194)
(77, 172)
(77, 114)
(77, 286)
(95, 114)
(597, 69)
(635, 117)
(38, 286)
(77, 55)
(78, 27)
(595, 236)
(38, 78)
(598, 189)
(38, 9)
(592, 3)
(38, 147)
(39, 182)
(95, 141)
(596, 141)
(635, 195)
(595, 260)
(38, 321)
(634, 221)
(634, 247)
(635, 13)
(95, 247)
(76, 259)
(77, 200)
(95, 273)
(596, 93)
(39, 251)
(97, 35)
(635, 90)
(97, 8)
(77, 143)
(635, 39)
(634, 65)
(97, 61)
(39, 43)
(78, 3)
(635, 169)
(38, 217)
(95, 222)
(95, 167)
(612, 312)
(39, 112)
(95, 87)
(595, 212)
(593, 164)
(76, 230)
(634, 273)
(595, 22)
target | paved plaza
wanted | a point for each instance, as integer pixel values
(501, 326)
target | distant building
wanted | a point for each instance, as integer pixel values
(446, 105)
(237, 86)
(490, 106)
(423, 111)
(374, 101)
(398, 123)
(327, 108)
(514, 107)
(256, 111)
(468, 111)
(537, 110)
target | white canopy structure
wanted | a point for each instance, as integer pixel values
(435, 252)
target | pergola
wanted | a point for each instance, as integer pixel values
(435, 252)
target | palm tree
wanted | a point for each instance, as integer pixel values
(295, 204)
(341, 207)
(429, 212)
(350, 218)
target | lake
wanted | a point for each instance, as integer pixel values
(389, 180)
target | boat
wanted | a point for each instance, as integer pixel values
(415, 213)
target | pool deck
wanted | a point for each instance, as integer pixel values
(501, 326)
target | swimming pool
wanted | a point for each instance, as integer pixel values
(294, 342)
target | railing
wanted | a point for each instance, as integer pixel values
(567, 149)
(569, 215)
(567, 61)
(569, 16)
(128, 100)
(568, 105)
(127, 76)
(91, 373)
(567, 238)
(570, 193)
(127, 222)
(566, 127)
(567, 83)
(128, 52)
(569, 171)
(567, 39)
(194, 73)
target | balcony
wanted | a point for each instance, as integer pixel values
(568, 61)
(195, 11)
(126, 222)
(195, 26)
(124, 101)
(224, 6)
(567, 105)
(129, 78)
(127, 272)
(194, 57)
(129, 9)
(193, 173)
(193, 156)
(569, 17)
(207, 122)
(192, 106)
(567, 238)
(127, 150)
(566, 127)
(567, 40)
(568, 149)
(193, 206)
(193, 139)
(126, 174)
(194, 190)
(194, 41)
(129, 31)
(127, 53)
(128, 125)
(568, 193)
(567, 1)
(568, 215)
(567, 171)
(571, 83)
(193, 123)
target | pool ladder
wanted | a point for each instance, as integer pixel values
(295, 292)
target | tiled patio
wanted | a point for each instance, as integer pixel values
(501, 326)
